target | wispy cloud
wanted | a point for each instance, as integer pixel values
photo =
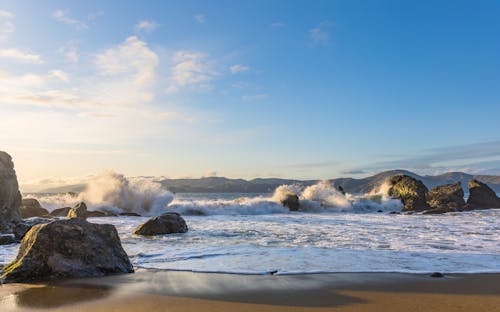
(21, 56)
(277, 24)
(200, 18)
(63, 17)
(320, 35)
(6, 25)
(59, 74)
(146, 26)
(254, 97)
(320, 164)
(191, 69)
(132, 57)
(238, 68)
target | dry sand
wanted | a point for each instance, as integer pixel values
(184, 291)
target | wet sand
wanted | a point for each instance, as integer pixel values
(185, 291)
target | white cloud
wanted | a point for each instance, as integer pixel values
(255, 97)
(70, 53)
(6, 14)
(146, 26)
(63, 17)
(132, 57)
(21, 56)
(191, 69)
(200, 18)
(320, 34)
(59, 74)
(238, 68)
(277, 24)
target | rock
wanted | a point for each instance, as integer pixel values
(30, 207)
(130, 214)
(167, 223)
(21, 228)
(68, 248)
(446, 198)
(341, 189)
(6, 239)
(436, 211)
(96, 214)
(10, 197)
(291, 201)
(79, 211)
(60, 212)
(481, 196)
(437, 274)
(410, 191)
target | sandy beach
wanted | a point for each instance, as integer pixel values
(186, 291)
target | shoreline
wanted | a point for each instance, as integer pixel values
(160, 290)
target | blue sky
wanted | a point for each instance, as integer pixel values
(298, 89)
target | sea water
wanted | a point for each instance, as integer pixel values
(254, 234)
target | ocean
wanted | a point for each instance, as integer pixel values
(254, 234)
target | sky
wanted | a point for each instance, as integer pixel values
(245, 89)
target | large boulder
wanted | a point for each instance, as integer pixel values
(410, 191)
(68, 248)
(21, 228)
(78, 212)
(446, 198)
(30, 207)
(167, 223)
(481, 196)
(291, 201)
(10, 197)
(60, 212)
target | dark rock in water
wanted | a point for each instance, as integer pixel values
(410, 191)
(10, 197)
(167, 223)
(380, 210)
(130, 214)
(436, 211)
(60, 212)
(341, 189)
(6, 239)
(481, 196)
(449, 197)
(437, 274)
(24, 226)
(394, 212)
(30, 207)
(69, 248)
(291, 201)
(79, 211)
(96, 214)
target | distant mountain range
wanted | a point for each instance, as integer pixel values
(350, 185)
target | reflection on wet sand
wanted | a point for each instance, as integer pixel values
(53, 296)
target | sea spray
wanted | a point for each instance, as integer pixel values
(113, 192)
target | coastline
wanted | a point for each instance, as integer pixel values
(159, 290)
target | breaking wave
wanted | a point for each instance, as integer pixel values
(115, 193)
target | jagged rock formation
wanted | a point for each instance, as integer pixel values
(167, 223)
(60, 212)
(21, 228)
(30, 207)
(410, 191)
(481, 196)
(446, 198)
(78, 212)
(68, 248)
(10, 197)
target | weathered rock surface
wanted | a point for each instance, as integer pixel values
(6, 239)
(410, 191)
(21, 228)
(446, 198)
(291, 201)
(167, 223)
(481, 196)
(60, 212)
(30, 208)
(68, 248)
(10, 197)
